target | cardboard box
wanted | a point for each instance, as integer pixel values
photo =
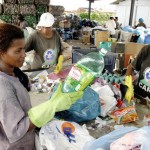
(101, 36)
(118, 47)
(128, 48)
(131, 49)
(86, 39)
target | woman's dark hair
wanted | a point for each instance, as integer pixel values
(9, 33)
(23, 78)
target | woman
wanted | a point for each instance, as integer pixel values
(16, 127)
(46, 42)
(16, 130)
(141, 23)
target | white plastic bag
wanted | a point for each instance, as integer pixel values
(107, 99)
(136, 140)
(108, 103)
(62, 135)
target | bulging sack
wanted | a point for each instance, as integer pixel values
(85, 109)
(62, 135)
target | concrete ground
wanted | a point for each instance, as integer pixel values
(141, 109)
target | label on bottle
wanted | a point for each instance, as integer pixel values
(78, 78)
(75, 73)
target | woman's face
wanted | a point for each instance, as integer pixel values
(46, 31)
(15, 54)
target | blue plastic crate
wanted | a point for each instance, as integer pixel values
(109, 59)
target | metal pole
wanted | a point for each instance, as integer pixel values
(89, 12)
(131, 12)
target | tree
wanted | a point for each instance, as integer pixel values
(100, 17)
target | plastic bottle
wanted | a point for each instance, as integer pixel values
(85, 71)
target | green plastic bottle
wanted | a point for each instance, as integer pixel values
(85, 71)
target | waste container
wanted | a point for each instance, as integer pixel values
(109, 58)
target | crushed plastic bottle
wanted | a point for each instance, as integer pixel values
(85, 71)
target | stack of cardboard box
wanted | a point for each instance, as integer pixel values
(101, 36)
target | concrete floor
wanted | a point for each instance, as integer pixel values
(141, 109)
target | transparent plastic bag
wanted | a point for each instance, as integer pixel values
(138, 139)
(105, 141)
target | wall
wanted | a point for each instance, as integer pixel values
(141, 10)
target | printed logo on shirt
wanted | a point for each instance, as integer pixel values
(147, 75)
(50, 56)
(144, 84)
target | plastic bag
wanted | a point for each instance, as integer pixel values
(86, 108)
(62, 135)
(105, 141)
(124, 115)
(108, 102)
(136, 140)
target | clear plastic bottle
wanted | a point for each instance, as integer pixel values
(85, 71)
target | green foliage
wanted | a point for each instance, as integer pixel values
(83, 15)
(100, 17)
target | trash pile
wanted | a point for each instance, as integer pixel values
(42, 84)
(104, 100)
(139, 35)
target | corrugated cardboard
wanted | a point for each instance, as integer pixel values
(101, 36)
(128, 48)
(131, 49)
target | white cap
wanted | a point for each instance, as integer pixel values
(46, 20)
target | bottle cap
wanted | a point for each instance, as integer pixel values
(103, 51)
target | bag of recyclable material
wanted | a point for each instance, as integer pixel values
(11, 9)
(10, 1)
(105, 141)
(27, 9)
(85, 109)
(25, 1)
(136, 140)
(46, 2)
(62, 135)
(56, 10)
